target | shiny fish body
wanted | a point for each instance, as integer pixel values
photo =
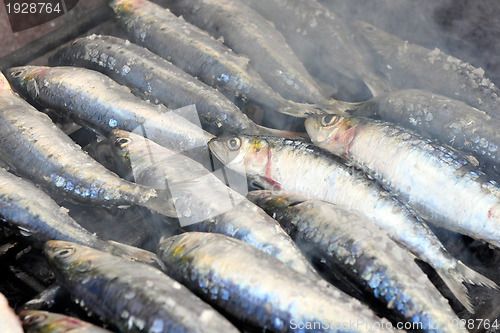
(294, 165)
(35, 214)
(204, 199)
(156, 79)
(47, 322)
(248, 33)
(197, 53)
(132, 296)
(449, 121)
(436, 181)
(93, 99)
(320, 39)
(40, 151)
(258, 289)
(410, 65)
(347, 241)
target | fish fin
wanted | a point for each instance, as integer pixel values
(137, 254)
(163, 206)
(455, 278)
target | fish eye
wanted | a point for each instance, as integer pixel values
(234, 143)
(64, 252)
(34, 319)
(17, 74)
(328, 119)
(369, 28)
(122, 142)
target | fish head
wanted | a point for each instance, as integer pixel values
(122, 147)
(42, 321)
(272, 200)
(334, 133)
(34, 319)
(125, 6)
(22, 76)
(242, 153)
(67, 257)
(176, 247)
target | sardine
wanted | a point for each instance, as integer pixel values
(410, 65)
(197, 53)
(447, 120)
(157, 79)
(205, 203)
(41, 152)
(248, 33)
(9, 320)
(92, 99)
(35, 214)
(132, 296)
(320, 39)
(259, 290)
(293, 165)
(435, 180)
(350, 243)
(48, 322)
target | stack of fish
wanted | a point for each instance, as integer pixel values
(328, 242)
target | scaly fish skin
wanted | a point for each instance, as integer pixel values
(208, 204)
(132, 296)
(435, 180)
(348, 242)
(410, 65)
(258, 289)
(48, 322)
(154, 78)
(248, 33)
(41, 152)
(293, 165)
(450, 121)
(321, 40)
(93, 99)
(197, 53)
(27, 208)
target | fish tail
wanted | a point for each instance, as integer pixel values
(377, 86)
(265, 131)
(454, 279)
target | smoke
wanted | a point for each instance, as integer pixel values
(468, 30)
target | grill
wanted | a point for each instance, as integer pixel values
(27, 281)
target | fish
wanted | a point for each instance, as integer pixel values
(38, 150)
(197, 53)
(348, 242)
(435, 180)
(94, 100)
(158, 80)
(246, 32)
(294, 165)
(132, 296)
(9, 320)
(322, 41)
(202, 201)
(409, 65)
(259, 290)
(450, 121)
(49, 322)
(33, 213)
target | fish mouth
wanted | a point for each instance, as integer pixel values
(217, 149)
